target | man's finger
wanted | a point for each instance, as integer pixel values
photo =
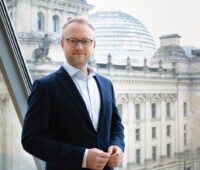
(102, 160)
(103, 154)
(110, 150)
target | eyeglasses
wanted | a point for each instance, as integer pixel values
(73, 42)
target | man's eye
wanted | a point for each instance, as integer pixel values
(73, 41)
(84, 41)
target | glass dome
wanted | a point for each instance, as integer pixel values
(121, 35)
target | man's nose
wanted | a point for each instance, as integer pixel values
(79, 45)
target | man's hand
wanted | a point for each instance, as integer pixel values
(116, 156)
(97, 159)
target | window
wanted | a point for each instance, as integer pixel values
(42, 18)
(154, 153)
(153, 132)
(137, 111)
(137, 134)
(40, 22)
(12, 155)
(185, 109)
(168, 110)
(168, 150)
(185, 134)
(168, 130)
(138, 159)
(153, 110)
(56, 23)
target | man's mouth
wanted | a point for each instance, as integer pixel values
(78, 53)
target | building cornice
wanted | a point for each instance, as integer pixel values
(145, 82)
(62, 5)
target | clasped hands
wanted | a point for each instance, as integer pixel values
(97, 159)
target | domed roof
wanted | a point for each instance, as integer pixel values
(120, 35)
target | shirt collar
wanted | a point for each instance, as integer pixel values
(73, 71)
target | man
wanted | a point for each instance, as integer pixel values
(72, 120)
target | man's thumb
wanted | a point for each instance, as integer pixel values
(110, 150)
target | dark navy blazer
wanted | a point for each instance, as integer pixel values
(57, 127)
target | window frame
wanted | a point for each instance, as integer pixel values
(14, 70)
(153, 132)
(168, 109)
(40, 21)
(55, 23)
(138, 156)
(168, 150)
(137, 134)
(137, 111)
(185, 109)
(153, 110)
(154, 153)
(168, 130)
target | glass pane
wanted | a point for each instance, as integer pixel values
(12, 155)
(137, 67)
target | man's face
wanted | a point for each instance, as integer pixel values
(78, 55)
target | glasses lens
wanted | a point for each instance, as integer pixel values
(86, 42)
(74, 42)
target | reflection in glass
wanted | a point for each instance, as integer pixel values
(12, 155)
(173, 82)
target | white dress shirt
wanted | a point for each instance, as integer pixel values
(89, 91)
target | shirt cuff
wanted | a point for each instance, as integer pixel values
(84, 163)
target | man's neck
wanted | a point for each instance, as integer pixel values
(82, 68)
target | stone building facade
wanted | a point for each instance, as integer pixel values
(159, 103)
(159, 107)
(32, 19)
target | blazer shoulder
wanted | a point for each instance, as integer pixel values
(49, 79)
(102, 78)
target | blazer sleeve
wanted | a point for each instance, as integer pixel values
(117, 129)
(36, 136)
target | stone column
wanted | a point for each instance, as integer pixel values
(127, 122)
(34, 19)
(23, 8)
(162, 137)
(130, 132)
(147, 146)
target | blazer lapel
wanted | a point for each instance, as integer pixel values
(102, 91)
(71, 89)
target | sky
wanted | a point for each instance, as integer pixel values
(161, 17)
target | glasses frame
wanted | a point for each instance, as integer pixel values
(77, 41)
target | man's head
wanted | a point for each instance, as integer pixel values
(78, 41)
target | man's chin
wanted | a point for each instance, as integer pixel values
(79, 55)
(79, 63)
